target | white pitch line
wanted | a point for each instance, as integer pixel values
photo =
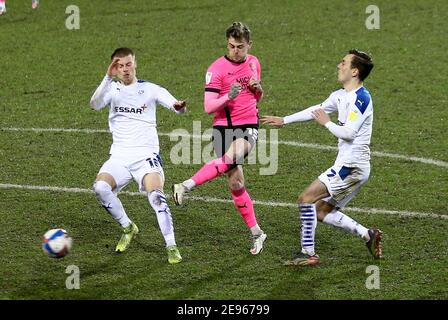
(407, 214)
(438, 163)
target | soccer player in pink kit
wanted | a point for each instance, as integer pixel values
(232, 91)
(34, 5)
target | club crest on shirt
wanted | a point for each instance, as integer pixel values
(252, 66)
(208, 77)
(141, 91)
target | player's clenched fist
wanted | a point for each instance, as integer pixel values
(255, 85)
(180, 105)
(235, 90)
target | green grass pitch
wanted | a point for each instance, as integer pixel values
(48, 74)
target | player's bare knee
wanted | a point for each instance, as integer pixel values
(321, 215)
(236, 179)
(323, 208)
(305, 198)
(152, 181)
(236, 183)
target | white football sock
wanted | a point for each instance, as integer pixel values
(157, 200)
(189, 184)
(308, 221)
(256, 230)
(340, 220)
(110, 202)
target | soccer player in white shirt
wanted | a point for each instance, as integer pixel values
(34, 5)
(334, 188)
(134, 154)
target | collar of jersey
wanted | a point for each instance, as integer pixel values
(230, 60)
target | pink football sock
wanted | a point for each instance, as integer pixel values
(244, 204)
(212, 169)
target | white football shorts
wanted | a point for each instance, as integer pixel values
(123, 170)
(343, 183)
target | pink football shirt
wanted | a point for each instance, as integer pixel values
(220, 76)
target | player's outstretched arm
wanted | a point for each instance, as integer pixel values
(320, 116)
(167, 100)
(273, 121)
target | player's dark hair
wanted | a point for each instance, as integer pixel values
(361, 61)
(238, 31)
(122, 52)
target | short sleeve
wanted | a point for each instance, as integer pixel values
(213, 80)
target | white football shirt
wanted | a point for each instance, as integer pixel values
(355, 111)
(132, 115)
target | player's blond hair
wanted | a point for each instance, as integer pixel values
(238, 31)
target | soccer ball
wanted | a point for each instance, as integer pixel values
(57, 243)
